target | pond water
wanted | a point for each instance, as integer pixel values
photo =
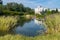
(30, 28)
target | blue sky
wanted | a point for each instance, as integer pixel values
(35, 3)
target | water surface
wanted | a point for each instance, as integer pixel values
(30, 28)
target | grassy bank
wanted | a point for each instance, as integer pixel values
(21, 37)
(53, 23)
(7, 22)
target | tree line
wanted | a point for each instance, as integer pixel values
(15, 8)
(48, 11)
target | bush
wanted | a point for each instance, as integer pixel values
(7, 12)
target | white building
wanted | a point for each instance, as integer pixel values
(58, 10)
(39, 9)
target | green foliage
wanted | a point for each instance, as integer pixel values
(56, 10)
(53, 11)
(48, 12)
(16, 8)
(7, 12)
(0, 8)
(0, 1)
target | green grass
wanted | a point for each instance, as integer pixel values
(7, 22)
(53, 23)
(40, 37)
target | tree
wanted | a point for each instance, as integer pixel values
(56, 10)
(18, 8)
(0, 9)
(15, 7)
(0, 1)
(47, 11)
(53, 11)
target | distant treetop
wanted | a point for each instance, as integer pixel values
(0, 1)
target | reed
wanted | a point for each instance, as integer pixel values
(53, 23)
(7, 22)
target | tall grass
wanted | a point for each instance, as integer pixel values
(21, 37)
(7, 22)
(53, 23)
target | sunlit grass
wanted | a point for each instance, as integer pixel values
(39, 37)
(7, 22)
(53, 23)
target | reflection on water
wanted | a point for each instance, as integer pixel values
(38, 22)
(30, 28)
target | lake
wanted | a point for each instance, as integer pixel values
(30, 28)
